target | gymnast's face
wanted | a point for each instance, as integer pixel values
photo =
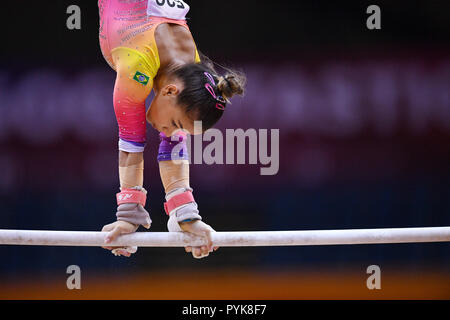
(164, 114)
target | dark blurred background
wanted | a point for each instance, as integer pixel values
(364, 120)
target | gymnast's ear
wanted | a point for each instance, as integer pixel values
(170, 90)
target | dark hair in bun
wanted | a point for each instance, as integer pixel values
(204, 102)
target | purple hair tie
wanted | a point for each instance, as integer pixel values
(210, 89)
(220, 100)
(210, 78)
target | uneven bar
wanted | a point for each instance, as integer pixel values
(228, 239)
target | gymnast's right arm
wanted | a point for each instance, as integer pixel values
(129, 108)
(131, 200)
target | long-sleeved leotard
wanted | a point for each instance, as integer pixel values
(127, 41)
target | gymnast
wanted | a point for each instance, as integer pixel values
(149, 45)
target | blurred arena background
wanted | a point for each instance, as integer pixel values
(364, 119)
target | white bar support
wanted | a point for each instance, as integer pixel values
(228, 239)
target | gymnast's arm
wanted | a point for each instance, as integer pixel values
(131, 169)
(180, 204)
(174, 175)
(129, 215)
(175, 178)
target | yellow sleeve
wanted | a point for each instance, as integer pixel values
(197, 57)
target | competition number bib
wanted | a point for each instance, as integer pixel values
(172, 9)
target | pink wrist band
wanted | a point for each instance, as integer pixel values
(131, 196)
(178, 200)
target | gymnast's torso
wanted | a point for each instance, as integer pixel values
(141, 40)
(157, 29)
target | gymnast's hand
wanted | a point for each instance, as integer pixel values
(184, 216)
(129, 217)
(115, 229)
(199, 228)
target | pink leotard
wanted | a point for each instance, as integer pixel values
(127, 41)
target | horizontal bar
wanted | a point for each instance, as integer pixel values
(228, 239)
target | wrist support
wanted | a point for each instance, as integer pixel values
(131, 196)
(131, 204)
(181, 205)
(174, 175)
(131, 175)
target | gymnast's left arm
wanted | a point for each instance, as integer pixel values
(180, 205)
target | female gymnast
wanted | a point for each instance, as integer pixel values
(149, 45)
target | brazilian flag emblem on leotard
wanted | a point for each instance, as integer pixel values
(141, 78)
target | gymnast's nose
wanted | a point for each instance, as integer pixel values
(166, 131)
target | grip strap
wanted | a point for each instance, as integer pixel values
(178, 200)
(131, 196)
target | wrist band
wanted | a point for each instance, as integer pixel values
(178, 200)
(131, 196)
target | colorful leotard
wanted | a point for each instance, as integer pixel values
(127, 41)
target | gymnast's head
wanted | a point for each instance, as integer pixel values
(193, 92)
